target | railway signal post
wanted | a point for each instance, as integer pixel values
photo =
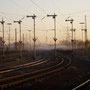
(30, 38)
(34, 39)
(82, 23)
(2, 22)
(85, 29)
(86, 40)
(55, 39)
(15, 39)
(71, 21)
(9, 33)
(20, 42)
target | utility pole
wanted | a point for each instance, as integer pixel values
(2, 22)
(55, 39)
(86, 40)
(74, 37)
(82, 23)
(30, 38)
(9, 33)
(23, 41)
(15, 39)
(46, 34)
(46, 37)
(67, 38)
(34, 39)
(74, 34)
(19, 22)
(71, 21)
(0, 32)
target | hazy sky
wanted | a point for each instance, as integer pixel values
(12, 10)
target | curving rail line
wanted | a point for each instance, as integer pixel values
(82, 85)
(22, 66)
(19, 79)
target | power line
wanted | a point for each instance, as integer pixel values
(58, 9)
(18, 5)
(78, 12)
(25, 25)
(11, 13)
(38, 6)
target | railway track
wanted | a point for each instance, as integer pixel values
(82, 86)
(25, 69)
(19, 79)
(14, 61)
(20, 66)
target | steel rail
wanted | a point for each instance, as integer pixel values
(14, 59)
(23, 61)
(29, 76)
(22, 66)
(25, 74)
(6, 79)
(82, 85)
